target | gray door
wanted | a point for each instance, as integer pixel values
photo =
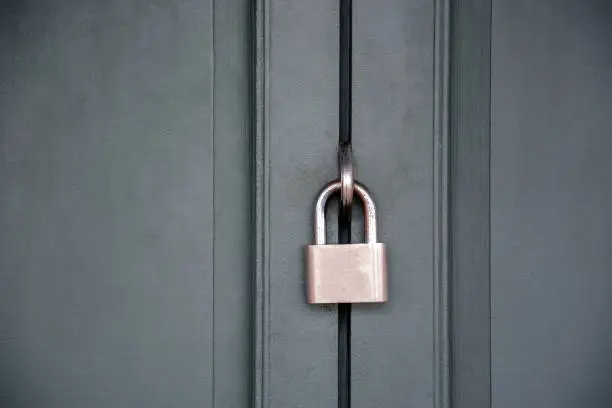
(124, 204)
(531, 188)
(551, 194)
(159, 162)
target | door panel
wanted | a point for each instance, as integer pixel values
(551, 194)
(118, 123)
(295, 155)
(393, 343)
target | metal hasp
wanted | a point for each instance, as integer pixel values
(349, 273)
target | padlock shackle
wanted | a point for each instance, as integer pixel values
(369, 211)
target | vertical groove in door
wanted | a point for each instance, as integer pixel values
(344, 217)
(442, 372)
(260, 199)
(214, 200)
(470, 115)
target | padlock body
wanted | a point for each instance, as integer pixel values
(351, 273)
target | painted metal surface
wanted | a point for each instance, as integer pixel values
(159, 161)
(394, 360)
(551, 194)
(124, 201)
(296, 133)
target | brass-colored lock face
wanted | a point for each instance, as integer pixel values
(346, 273)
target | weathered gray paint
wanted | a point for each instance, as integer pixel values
(296, 100)
(393, 345)
(123, 253)
(551, 194)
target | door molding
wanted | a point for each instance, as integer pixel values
(294, 345)
(441, 250)
(260, 118)
(469, 188)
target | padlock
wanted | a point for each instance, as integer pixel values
(346, 273)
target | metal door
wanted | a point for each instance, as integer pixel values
(159, 165)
